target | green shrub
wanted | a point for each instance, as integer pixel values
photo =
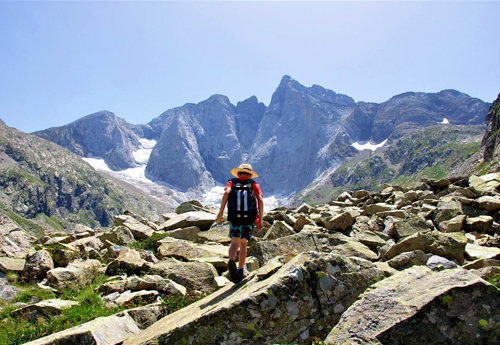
(150, 243)
(15, 331)
(177, 301)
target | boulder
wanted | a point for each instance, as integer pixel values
(11, 265)
(423, 306)
(109, 330)
(14, 242)
(120, 235)
(44, 308)
(154, 282)
(7, 291)
(303, 299)
(218, 232)
(370, 239)
(131, 299)
(146, 315)
(446, 210)
(191, 275)
(62, 254)
(37, 265)
(279, 229)
(485, 183)
(138, 229)
(75, 275)
(451, 245)
(85, 245)
(337, 222)
(410, 226)
(189, 234)
(481, 263)
(481, 224)
(304, 208)
(488, 203)
(453, 225)
(475, 252)
(301, 221)
(438, 263)
(129, 261)
(202, 220)
(409, 259)
(186, 250)
(376, 208)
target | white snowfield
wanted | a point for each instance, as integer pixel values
(445, 121)
(137, 178)
(366, 145)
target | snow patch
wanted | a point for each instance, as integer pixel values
(97, 163)
(445, 121)
(142, 155)
(366, 145)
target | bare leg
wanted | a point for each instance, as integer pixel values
(233, 248)
(243, 253)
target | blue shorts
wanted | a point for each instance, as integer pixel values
(242, 231)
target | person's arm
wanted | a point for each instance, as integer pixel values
(223, 204)
(260, 225)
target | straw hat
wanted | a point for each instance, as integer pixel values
(245, 168)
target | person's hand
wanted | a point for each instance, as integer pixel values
(260, 225)
(219, 217)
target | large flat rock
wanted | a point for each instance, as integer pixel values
(420, 306)
(302, 299)
(109, 330)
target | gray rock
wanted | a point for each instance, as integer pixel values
(11, 265)
(75, 275)
(120, 235)
(438, 263)
(408, 259)
(45, 308)
(481, 224)
(191, 275)
(132, 299)
(37, 265)
(411, 226)
(186, 250)
(189, 234)
(427, 305)
(202, 220)
(305, 297)
(451, 245)
(111, 330)
(279, 229)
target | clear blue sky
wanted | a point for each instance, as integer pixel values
(60, 61)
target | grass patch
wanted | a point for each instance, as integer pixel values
(172, 303)
(15, 331)
(150, 243)
(494, 281)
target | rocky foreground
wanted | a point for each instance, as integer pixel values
(396, 267)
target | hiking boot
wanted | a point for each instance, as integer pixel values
(233, 272)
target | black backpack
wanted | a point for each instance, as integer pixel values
(242, 205)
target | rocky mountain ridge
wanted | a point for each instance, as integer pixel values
(430, 152)
(313, 272)
(304, 130)
(41, 182)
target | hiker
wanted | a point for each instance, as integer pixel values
(245, 210)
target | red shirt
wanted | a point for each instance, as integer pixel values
(256, 192)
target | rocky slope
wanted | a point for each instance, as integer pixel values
(411, 262)
(492, 135)
(42, 181)
(430, 152)
(303, 133)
